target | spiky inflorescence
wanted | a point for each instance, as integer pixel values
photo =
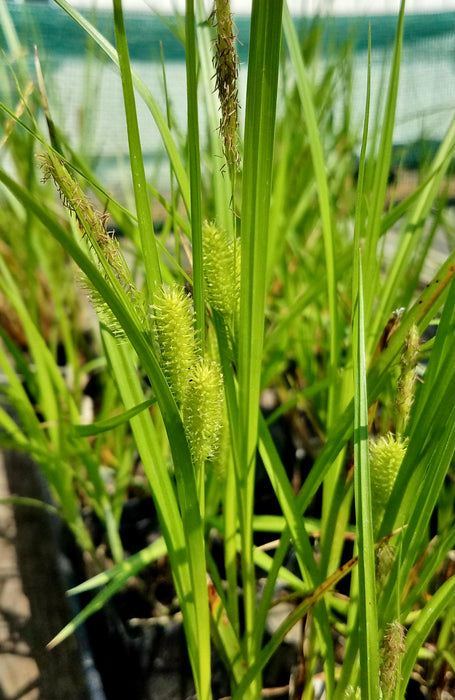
(221, 269)
(393, 648)
(386, 456)
(406, 381)
(174, 322)
(385, 557)
(226, 73)
(102, 243)
(203, 409)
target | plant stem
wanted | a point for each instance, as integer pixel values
(263, 63)
(144, 213)
(195, 170)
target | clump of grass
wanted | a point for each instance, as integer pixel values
(280, 296)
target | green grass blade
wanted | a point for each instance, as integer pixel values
(259, 132)
(113, 580)
(292, 619)
(401, 208)
(182, 533)
(144, 210)
(225, 636)
(381, 172)
(437, 551)
(360, 203)
(30, 503)
(194, 168)
(135, 563)
(302, 546)
(419, 631)
(260, 112)
(111, 423)
(368, 622)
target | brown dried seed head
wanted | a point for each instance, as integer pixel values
(226, 75)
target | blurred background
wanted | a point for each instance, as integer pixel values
(85, 90)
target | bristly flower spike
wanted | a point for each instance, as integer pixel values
(406, 381)
(103, 245)
(386, 456)
(203, 410)
(221, 269)
(393, 648)
(175, 329)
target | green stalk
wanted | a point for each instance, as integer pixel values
(381, 173)
(144, 212)
(195, 169)
(368, 622)
(349, 666)
(220, 184)
(263, 64)
(230, 498)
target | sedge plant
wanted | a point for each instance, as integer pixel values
(279, 293)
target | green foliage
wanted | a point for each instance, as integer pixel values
(287, 290)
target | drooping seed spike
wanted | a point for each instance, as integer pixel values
(406, 381)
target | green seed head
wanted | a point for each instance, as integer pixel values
(104, 247)
(203, 409)
(221, 269)
(386, 456)
(174, 323)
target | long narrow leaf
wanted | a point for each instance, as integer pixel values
(381, 172)
(115, 580)
(420, 629)
(144, 211)
(194, 168)
(368, 621)
(263, 64)
(111, 423)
